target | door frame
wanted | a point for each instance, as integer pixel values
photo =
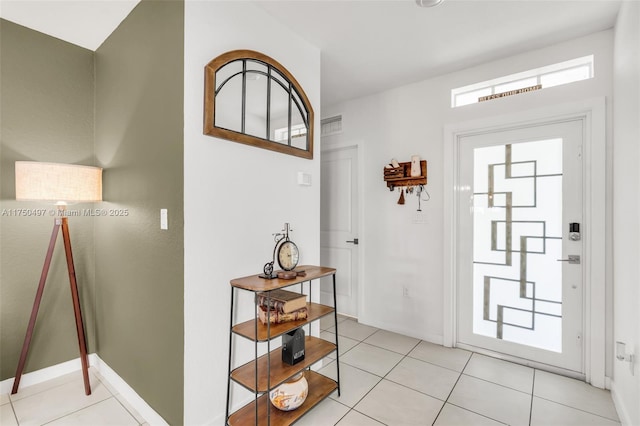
(329, 144)
(592, 113)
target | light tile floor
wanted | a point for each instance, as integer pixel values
(390, 379)
(386, 379)
(62, 402)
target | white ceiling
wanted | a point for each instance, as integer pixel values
(371, 46)
(86, 23)
(367, 45)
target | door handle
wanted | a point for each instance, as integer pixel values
(354, 241)
(573, 259)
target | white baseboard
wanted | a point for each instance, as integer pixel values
(431, 338)
(130, 395)
(44, 374)
(107, 373)
(623, 413)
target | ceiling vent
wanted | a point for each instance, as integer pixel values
(331, 125)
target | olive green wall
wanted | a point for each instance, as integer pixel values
(46, 100)
(120, 108)
(139, 142)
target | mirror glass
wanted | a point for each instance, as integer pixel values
(279, 114)
(298, 123)
(229, 97)
(256, 100)
(250, 98)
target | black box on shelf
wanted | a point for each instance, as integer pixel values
(293, 346)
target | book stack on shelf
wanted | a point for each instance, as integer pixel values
(281, 306)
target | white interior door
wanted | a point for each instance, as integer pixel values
(339, 227)
(517, 295)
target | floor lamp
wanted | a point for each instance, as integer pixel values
(59, 183)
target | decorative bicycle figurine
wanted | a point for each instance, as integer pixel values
(285, 250)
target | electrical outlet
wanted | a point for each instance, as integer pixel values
(405, 291)
(420, 218)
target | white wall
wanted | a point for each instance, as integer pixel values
(626, 208)
(410, 120)
(235, 196)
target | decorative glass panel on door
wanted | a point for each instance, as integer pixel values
(517, 240)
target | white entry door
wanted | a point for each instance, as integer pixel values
(520, 196)
(339, 227)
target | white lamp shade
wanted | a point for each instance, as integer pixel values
(57, 182)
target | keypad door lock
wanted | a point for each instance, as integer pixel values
(574, 231)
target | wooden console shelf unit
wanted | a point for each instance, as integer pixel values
(265, 373)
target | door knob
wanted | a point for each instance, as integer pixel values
(354, 241)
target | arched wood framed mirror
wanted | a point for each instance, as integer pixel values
(252, 99)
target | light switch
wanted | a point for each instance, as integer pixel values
(304, 179)
(164, 220)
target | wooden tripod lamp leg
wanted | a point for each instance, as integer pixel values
(36, 306)
(76, 306)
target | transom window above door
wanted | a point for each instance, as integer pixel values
(252, 99)
(566, 72)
